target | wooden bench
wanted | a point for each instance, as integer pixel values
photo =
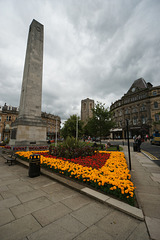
(10, 159)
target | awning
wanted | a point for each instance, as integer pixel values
(116, 130)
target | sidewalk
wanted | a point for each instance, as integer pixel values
(146, 177)
(42, 208)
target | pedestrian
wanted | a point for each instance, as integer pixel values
(134, 138)
(108, 144)
(139, 141)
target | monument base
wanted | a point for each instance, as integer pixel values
(28, 132)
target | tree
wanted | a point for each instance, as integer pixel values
(69, 128)
(101, 122)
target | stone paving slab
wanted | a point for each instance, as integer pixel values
(153, 225)
(49, 214)
(91, 213)
(9, 202)
(25, 197)
(6, 216)
(30, 206)
(7, 194)
(19, 229)
(94, 233)
(139, 233)
(18, 188)
(2, 183)
(61, 194)
(156, 177)
(1, 198)
(120, 226)
(76, 201)
(65, 228)
(53, 187)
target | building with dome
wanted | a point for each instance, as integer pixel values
(141, 107)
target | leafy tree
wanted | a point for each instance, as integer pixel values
(101, 122)
(69, 128)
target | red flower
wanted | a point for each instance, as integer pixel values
(96, 161)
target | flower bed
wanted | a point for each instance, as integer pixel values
(8, 147)
(106, 171)
(19, 148)
(35, 148)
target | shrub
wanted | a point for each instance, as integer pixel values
(71, 148)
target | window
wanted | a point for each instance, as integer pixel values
(126, 100)
(120, 123)
(134, 110)
(0, 118)
(120, 113)
(129, 121)
(154, 93)
(143, 107)
(9, 118)
(155, 104)
(156, 117)
(135, 121)
(143, 119)
(126, 111)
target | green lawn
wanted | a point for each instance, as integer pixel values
(112, 148)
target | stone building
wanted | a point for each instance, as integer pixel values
(141, 107)
(86, 109)
(53, 125)
(9, 114)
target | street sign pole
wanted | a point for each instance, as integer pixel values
(129, 156)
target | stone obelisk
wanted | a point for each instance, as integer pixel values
(29, 128)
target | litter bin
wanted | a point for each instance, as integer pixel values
(135, 147)
(34, 165)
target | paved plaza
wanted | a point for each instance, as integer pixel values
(43, 208)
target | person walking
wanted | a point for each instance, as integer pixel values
(139, 141)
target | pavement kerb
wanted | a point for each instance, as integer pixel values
(121, 206)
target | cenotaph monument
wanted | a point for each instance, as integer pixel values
(29, 128)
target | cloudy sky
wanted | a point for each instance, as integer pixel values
(92, 49)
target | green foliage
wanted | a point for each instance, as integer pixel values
(69, 128)
(101, 122)
(5, 141)
(71, 148)
(71, 142)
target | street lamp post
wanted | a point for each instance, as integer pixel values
(77, 128)
(56, 134)
(4, 131)
(129, 156)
